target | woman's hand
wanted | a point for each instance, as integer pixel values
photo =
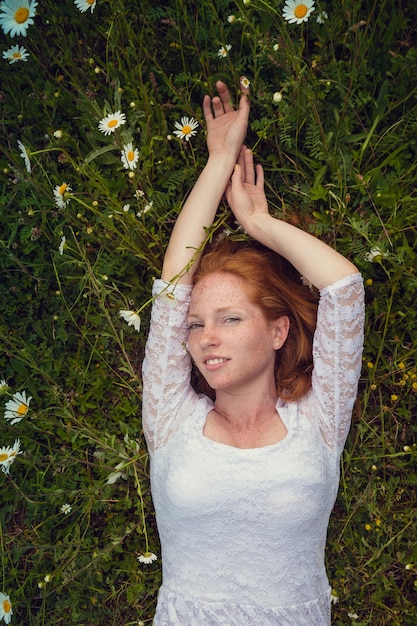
(226, 127)
(245, 192)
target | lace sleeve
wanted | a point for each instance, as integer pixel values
(166, 366)
(337, 353)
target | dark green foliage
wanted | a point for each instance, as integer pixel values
(339, 150)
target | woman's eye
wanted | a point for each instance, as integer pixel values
(232, 319)
(194, 325)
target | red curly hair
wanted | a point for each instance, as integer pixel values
(275, 286)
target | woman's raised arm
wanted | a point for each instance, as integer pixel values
(226, 131)
(315, 260)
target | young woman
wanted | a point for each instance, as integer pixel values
(244, 476)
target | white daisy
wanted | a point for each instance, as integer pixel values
(84, 5)
(224, 51)
(16, 53)
(132, 318)
(245, 82)
(25, 155)
(322, 17)
(126, 207)
(16, 16)
(375, 255)
(62, 245)
(8, 455)
(298, 12)
(17, 407)
(60, 195)
(130, 156)
(66, 508)
(112, 121)
(334, 598)
(186, 128)
(5, 608)
(147, 557)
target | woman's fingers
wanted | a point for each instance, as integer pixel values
(220, 104)
(260, 176)
(224, 96)
(249, 170)
(208, 113)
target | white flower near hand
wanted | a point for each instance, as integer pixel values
(187, 128)
(132, 318)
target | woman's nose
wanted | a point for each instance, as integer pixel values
(209, 335)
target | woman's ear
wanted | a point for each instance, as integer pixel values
(281, 327)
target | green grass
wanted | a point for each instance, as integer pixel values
(339, 151)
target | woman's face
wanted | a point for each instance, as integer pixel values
(230, 340)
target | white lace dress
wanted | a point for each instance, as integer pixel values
(243, 531)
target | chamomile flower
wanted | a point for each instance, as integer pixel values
(25, 155)
(376, 255)
(61, 195)
(245, 82)
(224, 51)
(132, 318)
(322, 17)
(130, 156)
(5, 608)
(16, 16)
(84, 5)
(112, 121)
(186, 128)
(8, 455)
(296, 11)
(16, 53)
(66, 508)
(62, 245)
(147, 557)
(17, 407)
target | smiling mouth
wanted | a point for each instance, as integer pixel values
(215, 361)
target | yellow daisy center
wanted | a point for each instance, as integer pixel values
(112, 123)
(130, 155)
(7, 607)
(21, 15)
(22, 410)
(90, 1)
(17, 55)
(300, 11)
(62, 190)
(4, 456)
(186, 129)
